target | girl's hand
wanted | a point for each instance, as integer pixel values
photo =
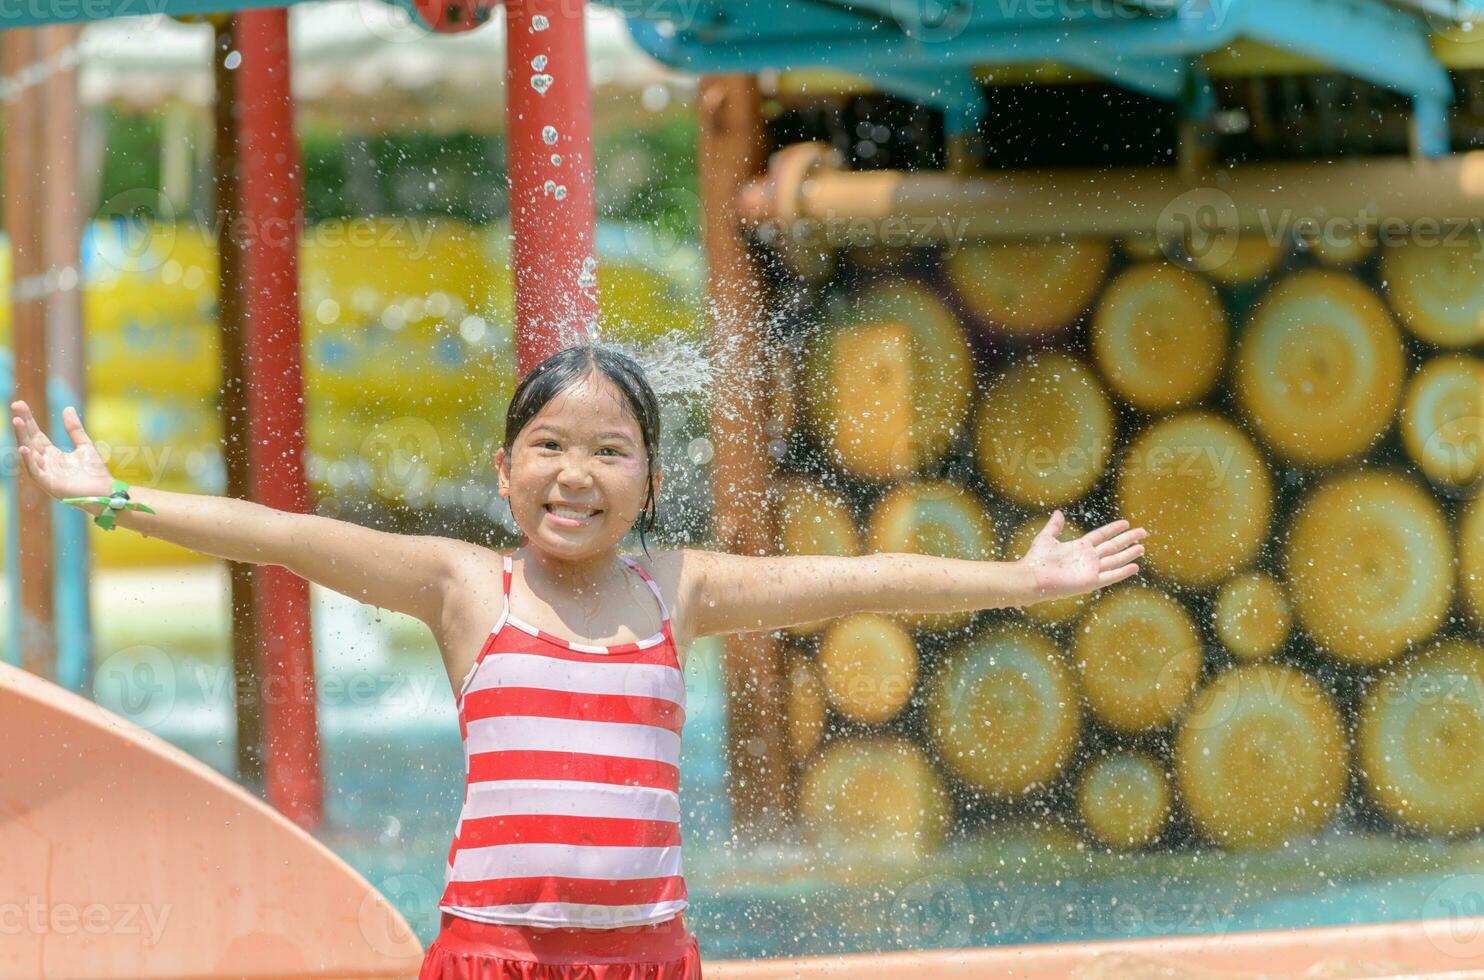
(80, 473)
(1066, 568)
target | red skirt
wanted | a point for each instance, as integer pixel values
(469, 950)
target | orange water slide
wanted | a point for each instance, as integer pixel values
(122, 856)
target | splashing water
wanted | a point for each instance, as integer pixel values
(675, 365)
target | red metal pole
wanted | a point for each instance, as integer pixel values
(271, 212)
(548, 126)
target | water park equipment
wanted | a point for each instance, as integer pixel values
(125, 857)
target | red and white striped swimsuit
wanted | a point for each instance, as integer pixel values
(571, 811)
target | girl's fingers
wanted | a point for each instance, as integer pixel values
(1122, 541)
(32, 460)
(1105, 532)
(1117, 575)
(73, 423)
(30, 431)
(1126, 555)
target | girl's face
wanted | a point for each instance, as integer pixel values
(583, 450)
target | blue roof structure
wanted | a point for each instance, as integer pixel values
(927, 50)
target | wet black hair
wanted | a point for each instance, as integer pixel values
(566, 368)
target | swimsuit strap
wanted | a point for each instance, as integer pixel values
(653, 587)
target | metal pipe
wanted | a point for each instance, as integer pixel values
(805, 193)
(549, 162)
(272, 212)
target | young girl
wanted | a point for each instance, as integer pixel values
(569, 678)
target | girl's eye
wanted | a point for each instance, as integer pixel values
(609, 449)
(546, 442)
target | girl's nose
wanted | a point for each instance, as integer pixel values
(574, 471)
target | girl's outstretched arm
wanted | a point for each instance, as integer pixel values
(738, 594)
(404, 573)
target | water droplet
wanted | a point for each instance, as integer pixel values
(560, 193)
(538, 63)
(556, 159)
(539, 23)
(700, 450)
(549, 135)
(541, 83)
(233, 59)
(549, 186)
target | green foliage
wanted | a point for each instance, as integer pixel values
(645, 175)
(648, 176)
(131, 164)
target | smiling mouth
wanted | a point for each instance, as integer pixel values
(571, 516)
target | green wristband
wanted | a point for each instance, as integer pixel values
(113, 503)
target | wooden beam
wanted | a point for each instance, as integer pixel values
(733, 153)
(233, 407)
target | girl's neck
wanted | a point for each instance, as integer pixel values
(568, 574)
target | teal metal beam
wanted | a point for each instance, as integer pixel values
(1365, 38)
(1369, 39)
(1164, 78)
